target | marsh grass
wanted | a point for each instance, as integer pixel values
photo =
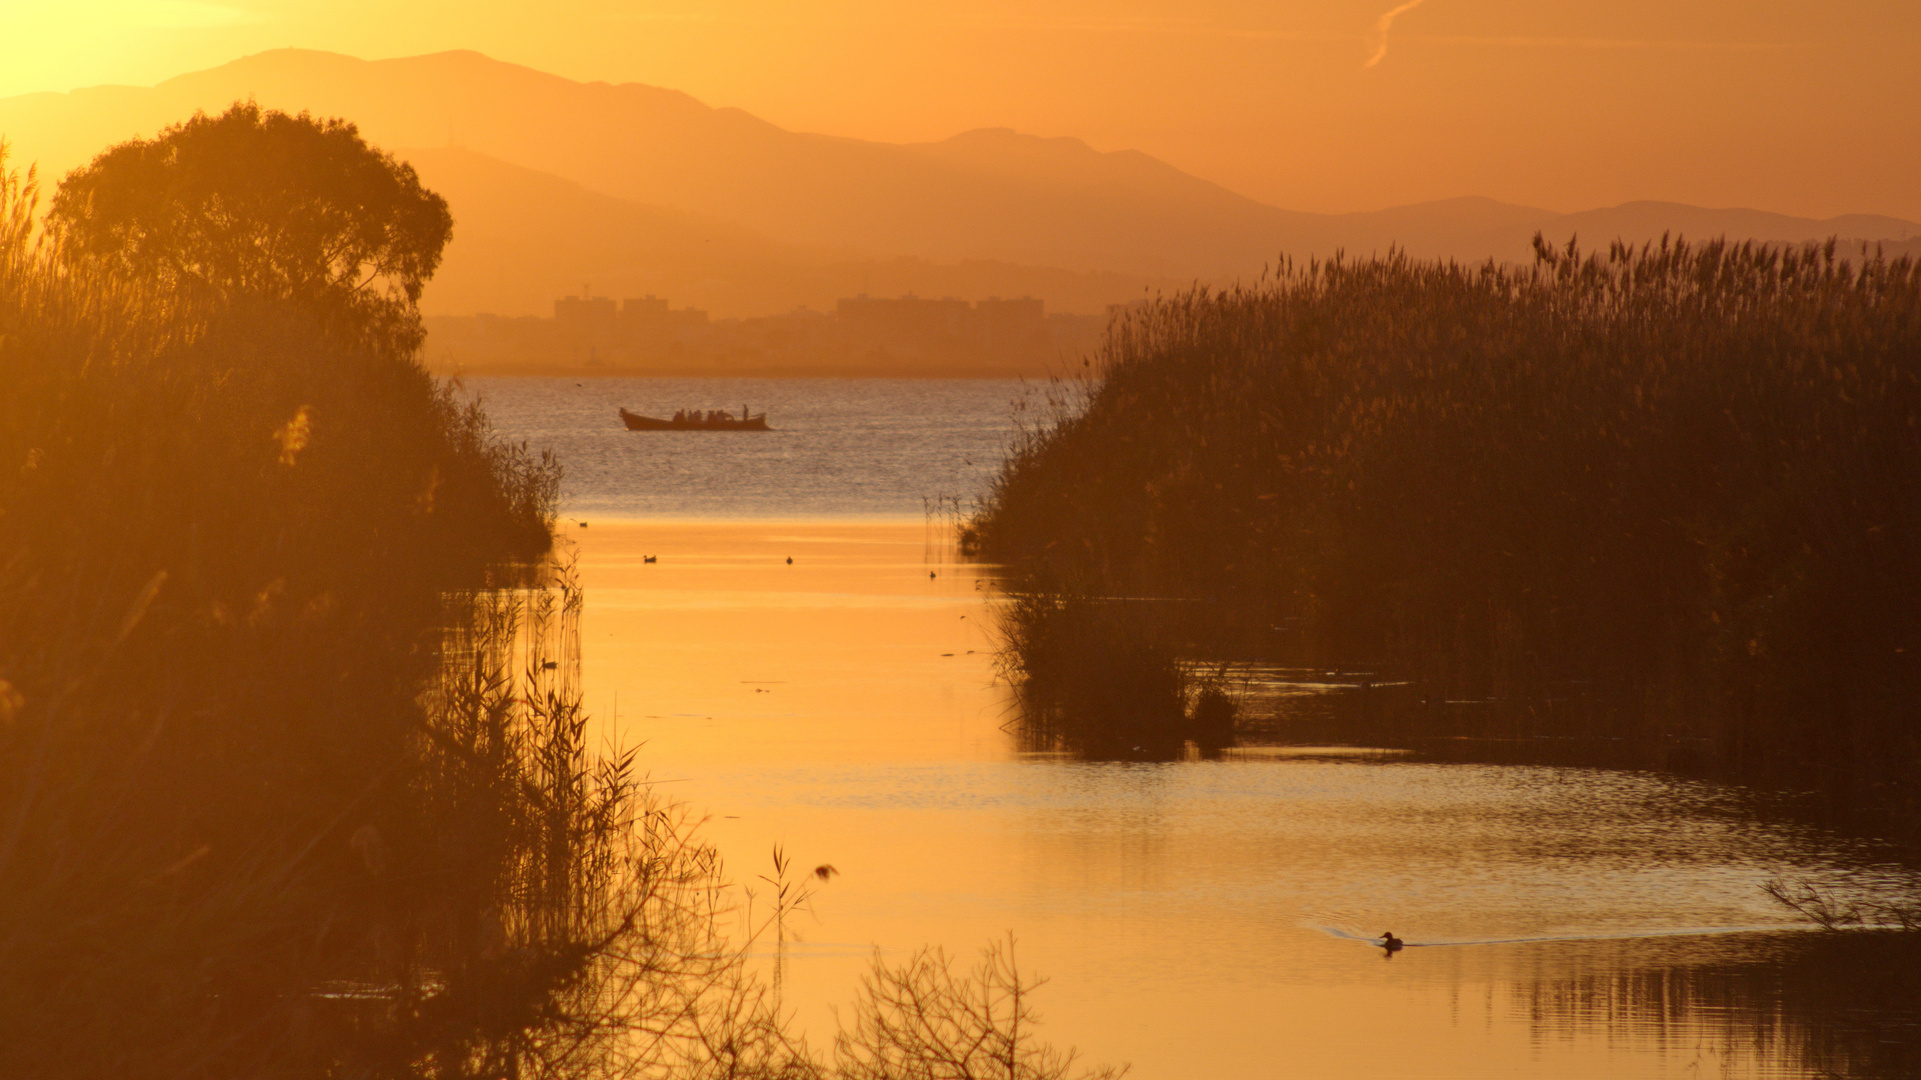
(227, 531)
(294, 776)
(1662, 492)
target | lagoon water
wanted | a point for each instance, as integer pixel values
(839, 448)
(1198, 919)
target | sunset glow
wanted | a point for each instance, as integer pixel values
(1034, 539)
(1797, 108)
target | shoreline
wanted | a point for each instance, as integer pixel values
(902, 518)
(524, 371)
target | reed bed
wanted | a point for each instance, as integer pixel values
(294, 777)
(1667, 492)
(227, 535)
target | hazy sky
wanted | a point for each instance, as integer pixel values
(1801, 106)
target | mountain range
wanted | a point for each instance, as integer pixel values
(629, 188)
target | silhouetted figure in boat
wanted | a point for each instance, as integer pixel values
(1391, 943)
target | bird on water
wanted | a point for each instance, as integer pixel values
(1389, 941)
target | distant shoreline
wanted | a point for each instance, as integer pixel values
(691, 371)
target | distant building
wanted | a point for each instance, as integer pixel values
(1017, 324)
(644, 308)
(913, 326)
(907, 325)
(648, 318)
(588, 316)
(862, 335)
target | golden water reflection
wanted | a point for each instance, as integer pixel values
(1199, 919)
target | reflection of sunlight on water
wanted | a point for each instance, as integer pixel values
(666, 600)
(1166, 899)
(1273, 753)
(1346, 933)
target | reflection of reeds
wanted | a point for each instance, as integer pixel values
(570, 922)
(1820, 1005)
(1837, 908)
(1675, 491)
(1104, 678)
(944, 517)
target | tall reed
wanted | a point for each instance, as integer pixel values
(1661, 491)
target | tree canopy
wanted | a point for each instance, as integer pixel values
(258, 203)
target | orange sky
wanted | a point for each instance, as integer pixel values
(1786, 105)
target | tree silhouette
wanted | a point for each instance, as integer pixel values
(262, 204)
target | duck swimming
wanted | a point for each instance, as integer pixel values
(1389, 941)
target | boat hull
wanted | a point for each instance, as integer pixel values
(637, 422)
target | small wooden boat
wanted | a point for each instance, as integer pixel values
(696, 421)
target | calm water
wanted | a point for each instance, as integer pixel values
(840, 448)
(1198, 919)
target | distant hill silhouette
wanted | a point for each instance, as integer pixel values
(1650, 219)
(522, 238)
(555, 182)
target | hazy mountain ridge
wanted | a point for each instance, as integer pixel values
(523, 237)
(1649, 219)
(645, 184)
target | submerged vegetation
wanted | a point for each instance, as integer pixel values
(294, 778)
(1669, 493)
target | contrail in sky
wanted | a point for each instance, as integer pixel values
(1381, 27)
